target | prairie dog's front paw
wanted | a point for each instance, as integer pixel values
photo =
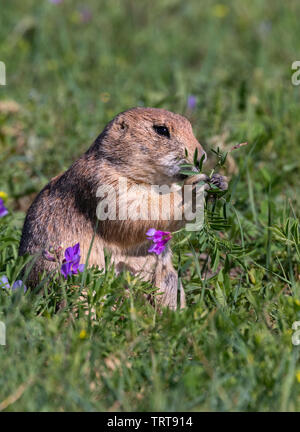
(195, 179)
(219, 181)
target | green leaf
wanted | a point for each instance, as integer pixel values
(196, 157)
(220, 295)
(200, 164)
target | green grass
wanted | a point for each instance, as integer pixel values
(231, 349)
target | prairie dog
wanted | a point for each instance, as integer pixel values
(146, 146)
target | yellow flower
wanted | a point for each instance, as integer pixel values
(3, 195)
(298, 376)
(220, 10)
(296, 300)
(105, 97)
(83, 334)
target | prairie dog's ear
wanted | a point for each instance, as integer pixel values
(121, 124)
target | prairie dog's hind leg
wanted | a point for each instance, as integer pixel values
(166, 280)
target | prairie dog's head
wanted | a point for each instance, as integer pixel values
(148, 144)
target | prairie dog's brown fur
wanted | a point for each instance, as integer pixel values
(64, 212)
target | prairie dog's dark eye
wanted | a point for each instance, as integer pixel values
(162, 130)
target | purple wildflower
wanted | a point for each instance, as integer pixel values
(159, 238)
(71, 261)
(5, 284)
(191, 102)
(3, 209)
(19, 284)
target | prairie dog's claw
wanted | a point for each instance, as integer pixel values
(219, 181)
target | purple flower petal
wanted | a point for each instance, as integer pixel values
(66, 269)
(151, 232)
(3, 212)
(69, 254)
(71, 262)
(72, 253)
(75, 265)
(81, 268)
(76, 249)
(4, 283)
(191, 102)
(153, 248)
(3, 209)
(159, 238)
(19, 284)
(157, 249)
